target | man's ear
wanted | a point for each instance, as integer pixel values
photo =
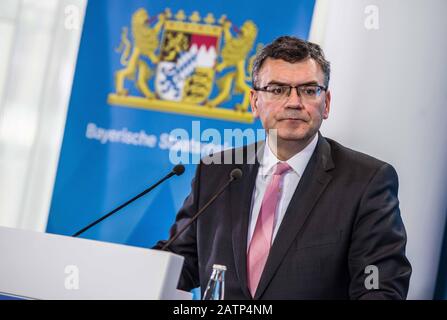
(254, 103)
(327, 105)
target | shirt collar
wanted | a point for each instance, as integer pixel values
(298, 162)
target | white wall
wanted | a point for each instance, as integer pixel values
(37, 56)
(389, 99)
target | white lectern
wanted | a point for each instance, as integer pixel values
(46, 266)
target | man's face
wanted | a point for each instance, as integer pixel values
(294, 117)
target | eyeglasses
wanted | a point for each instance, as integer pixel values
(307, 92)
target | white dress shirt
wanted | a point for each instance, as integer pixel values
(291, 179)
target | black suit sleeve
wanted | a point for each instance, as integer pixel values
(186, 244)
(379, 240)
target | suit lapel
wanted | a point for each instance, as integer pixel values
(241, 193)
(312, 184)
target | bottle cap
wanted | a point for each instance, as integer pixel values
(219, 267)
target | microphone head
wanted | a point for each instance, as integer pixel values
(179, 169)
(236, 174)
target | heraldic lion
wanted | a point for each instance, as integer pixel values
(145, 44)
(234, 55)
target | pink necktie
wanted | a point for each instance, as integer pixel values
(262, 236)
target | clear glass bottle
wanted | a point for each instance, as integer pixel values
(215, 290)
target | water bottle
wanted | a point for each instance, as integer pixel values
(216, 285)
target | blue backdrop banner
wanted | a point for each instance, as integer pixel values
(157, 83)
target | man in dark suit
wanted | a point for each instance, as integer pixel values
(309, 219)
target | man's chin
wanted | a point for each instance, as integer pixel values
(294, 136)
(291, 138)
(302, 137)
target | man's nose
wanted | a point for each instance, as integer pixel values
(294, 99)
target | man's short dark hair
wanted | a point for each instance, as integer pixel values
(292, 50)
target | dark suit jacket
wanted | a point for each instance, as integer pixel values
(343, 216)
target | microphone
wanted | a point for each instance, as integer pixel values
(177, 170)
(235, 174)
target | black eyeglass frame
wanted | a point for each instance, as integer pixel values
(264, 89)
